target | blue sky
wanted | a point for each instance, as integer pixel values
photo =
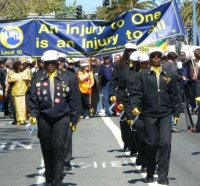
(88, 5)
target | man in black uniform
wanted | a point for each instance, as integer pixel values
(53, 104)
(122, 76)
(155, 93)
(139, 124)
(68, 151)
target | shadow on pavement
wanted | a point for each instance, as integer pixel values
(195, 153)
(68, 184)
(116, 150)
(32, 175)
(133, 181)
(131, 171)
(122, 156)
(79, 157)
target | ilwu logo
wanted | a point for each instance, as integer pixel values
(11, 37)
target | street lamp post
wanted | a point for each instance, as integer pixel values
(194, 22)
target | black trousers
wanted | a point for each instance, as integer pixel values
(53, 136)
(68, 148)
(85, 104)
(128, 136)
(95, 98)
(191, 92)
(158, 136)
(5, 103)
(140, 142)
(198, 120)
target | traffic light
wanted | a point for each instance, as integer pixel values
(190, 35)
(106, 2)
(79, 11)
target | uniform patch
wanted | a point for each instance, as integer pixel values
(57, 100)
(167, 79)
(63, 86)
(38, 84)
(44, 91)
(45, 84)
(67, 89)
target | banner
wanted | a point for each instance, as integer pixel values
(79, 38)
(161, 44)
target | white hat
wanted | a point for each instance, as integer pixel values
(135, 55)
(50, 52)
(70, 60)
(130, 46)
(62, 55)
(50, 55)
(156, 49)
(84, 64)
(143, 58)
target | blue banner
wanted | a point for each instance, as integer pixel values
(78, 38)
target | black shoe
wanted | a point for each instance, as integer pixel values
(68, 167)
(195, 131)
(132, 154)
(57, 182)
(144, 169)
(126, 149)
(163, 181)
(48, 184)
(149, 179)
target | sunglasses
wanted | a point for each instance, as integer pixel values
(61, 60)
(93, 59)
(50, 62)
(155, 55)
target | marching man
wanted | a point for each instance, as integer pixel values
(155, 94)
(53, 105)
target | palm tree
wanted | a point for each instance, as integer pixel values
(187, 12)
(117, 7)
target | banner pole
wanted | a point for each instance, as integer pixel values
(90, 94)
(190, 56)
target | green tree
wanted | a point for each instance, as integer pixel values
(21, 8)
(120, 6)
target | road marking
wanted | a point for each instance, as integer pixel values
(116, 132)
(104, 164)
(16, 143)
(2, 146)
(95, 164)
(41, 178)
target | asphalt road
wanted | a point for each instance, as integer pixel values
(98, 158)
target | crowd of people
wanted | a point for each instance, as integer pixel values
(146, 90)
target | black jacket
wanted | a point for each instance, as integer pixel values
(156, 99)
(130, 76)
(118, 81)
(2, 77)
(64, 103)
(198, 85)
